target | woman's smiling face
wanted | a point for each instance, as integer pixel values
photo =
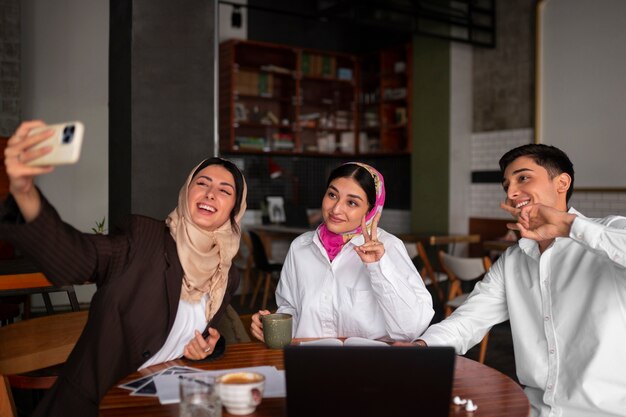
(211, 197)
(344, 205)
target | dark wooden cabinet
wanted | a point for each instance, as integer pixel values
(385, 101)
(286, 100)
(257, 97)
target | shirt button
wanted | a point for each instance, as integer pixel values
(552, 351)
(549, 387)
(546, 318)
(146, 354)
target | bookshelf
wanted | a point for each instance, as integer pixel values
(385, 101)
(280, 99)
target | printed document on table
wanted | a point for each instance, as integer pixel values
(167, 385)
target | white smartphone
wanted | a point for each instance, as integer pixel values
(65, 142)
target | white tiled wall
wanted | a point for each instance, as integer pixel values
(599, 204)
(487, 148)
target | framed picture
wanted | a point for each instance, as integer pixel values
(241, 113)
(276, 209)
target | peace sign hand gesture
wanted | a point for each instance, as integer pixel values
(372, 250)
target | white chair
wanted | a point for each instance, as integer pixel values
(461, 269)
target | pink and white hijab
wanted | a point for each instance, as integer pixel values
(333, 242)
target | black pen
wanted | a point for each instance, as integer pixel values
(195, 380)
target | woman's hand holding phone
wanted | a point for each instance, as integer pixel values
(17, 154)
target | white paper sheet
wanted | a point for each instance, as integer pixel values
(167, 385)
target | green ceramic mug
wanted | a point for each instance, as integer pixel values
(277, 330)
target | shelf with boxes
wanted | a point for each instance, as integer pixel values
(385, 100)
(277, 98)
(327, 108)
(257, 97)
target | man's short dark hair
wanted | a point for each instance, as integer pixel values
(554, 160)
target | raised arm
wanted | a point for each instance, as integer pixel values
(21, 176)
(605, 238)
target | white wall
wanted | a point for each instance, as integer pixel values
(581, 88)
(226, 29)
(65, 46)
(460, 137)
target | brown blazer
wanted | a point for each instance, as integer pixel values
(139, 278)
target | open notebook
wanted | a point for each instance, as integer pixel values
(368, 381)
(350, 341)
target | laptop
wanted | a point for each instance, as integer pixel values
(368, 381)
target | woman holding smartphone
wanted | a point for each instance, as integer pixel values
(162, 285)
(349, 277)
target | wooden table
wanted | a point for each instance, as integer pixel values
(34, 344)
(495, 394)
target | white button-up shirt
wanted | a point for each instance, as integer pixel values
(347, 297)
(189, 318)
(567, 309)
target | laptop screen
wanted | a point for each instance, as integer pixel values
(368, 381)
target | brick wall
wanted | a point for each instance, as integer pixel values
(487, 148)
(10, 58)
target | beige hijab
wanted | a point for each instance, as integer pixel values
(205, 256)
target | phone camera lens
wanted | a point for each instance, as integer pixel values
(68, 134)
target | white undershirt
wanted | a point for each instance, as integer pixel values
(189, 317)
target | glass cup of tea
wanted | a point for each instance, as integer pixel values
(198, 396)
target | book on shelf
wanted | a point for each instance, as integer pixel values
(344, 74)
(253, 83)
(276, 69)
(350, 341)
(266, 85)
(251, 142)
(318, 65)
(282, 141)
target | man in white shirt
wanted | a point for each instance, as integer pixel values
(563, 288)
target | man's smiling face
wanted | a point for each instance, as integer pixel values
(526, 182)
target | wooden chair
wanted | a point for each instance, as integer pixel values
(430, 276)
(12, 283)
(461, 269)
(33, 344)
(265, 268)
(245, 262)
(8, 312)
